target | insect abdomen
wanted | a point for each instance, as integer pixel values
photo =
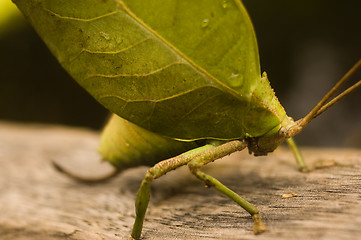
(125, 144)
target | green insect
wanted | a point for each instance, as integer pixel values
(182, 77)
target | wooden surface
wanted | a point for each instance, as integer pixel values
(39, 202)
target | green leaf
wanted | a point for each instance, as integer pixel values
(184, 69)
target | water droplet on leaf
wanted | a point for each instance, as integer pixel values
(235, 80)
(224, 3)
(205, 23)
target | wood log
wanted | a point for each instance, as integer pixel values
(39, 202)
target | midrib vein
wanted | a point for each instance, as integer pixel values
(176, 50)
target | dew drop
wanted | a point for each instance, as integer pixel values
(235, 80)
(106, 36)
(224, 3)
(205, 23)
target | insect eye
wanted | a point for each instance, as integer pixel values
(283, 131)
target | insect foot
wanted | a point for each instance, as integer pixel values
(153, 173)
(258, 226)
(216, 153)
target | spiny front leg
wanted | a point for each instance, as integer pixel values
(214, 154)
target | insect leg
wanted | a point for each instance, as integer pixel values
(296, 152)
(155, 172)
(213, 154)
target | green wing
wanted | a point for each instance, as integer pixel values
(183, 69)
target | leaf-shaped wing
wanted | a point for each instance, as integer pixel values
(184, 69)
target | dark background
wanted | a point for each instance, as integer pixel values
(305, 47)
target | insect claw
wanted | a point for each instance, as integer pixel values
(304, 169)
(258, 226)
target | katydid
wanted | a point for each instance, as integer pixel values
(182, 77)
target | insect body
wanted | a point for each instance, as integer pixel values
(184, 74)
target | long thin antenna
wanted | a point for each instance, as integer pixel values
(338, 97)
(322, 105)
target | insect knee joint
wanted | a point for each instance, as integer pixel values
(193, 167)
(150, 175)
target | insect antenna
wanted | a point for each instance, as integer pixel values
(323, 105)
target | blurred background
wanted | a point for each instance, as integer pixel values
(305, 47)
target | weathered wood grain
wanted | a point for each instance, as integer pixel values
(38, 202)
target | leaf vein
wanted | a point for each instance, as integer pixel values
(81, 19)
(198, 105)
(136, 74)
(117, 51)
(151, 100)
(84, 50)
(178, 52)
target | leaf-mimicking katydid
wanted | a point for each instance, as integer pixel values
(182, 77)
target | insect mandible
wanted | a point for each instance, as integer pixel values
(183, 77)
